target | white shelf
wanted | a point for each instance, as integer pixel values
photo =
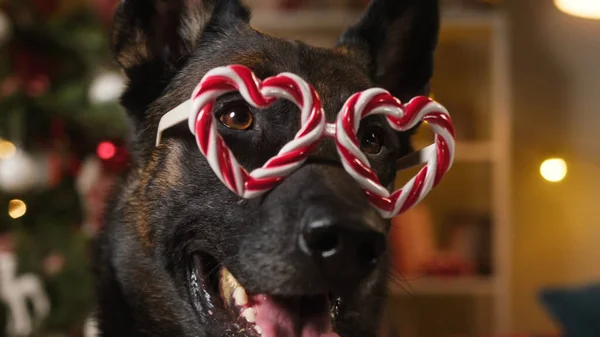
(470, 19)
(474, 151)
(438, 286)
(468, 151)
(305, 20)
(336, 19)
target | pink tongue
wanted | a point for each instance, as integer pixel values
(275, 320)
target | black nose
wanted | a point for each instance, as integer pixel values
(346, 250)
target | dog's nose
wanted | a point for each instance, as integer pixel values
(345, 250)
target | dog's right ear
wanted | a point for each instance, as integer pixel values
(164, 32)
(396, 41)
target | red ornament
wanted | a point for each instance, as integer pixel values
(106, 150)
(58, 129)
(54, 263)
(31, 74)
(448, 264)
(412, 241)
(9, 86)
(7, 243)
(46, 7)
(119, 162)
(290, 4)
(38, 86)
(105, 9)
(55, 173)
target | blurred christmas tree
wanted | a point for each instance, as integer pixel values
(61, 136)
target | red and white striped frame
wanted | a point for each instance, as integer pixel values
(401, 118)
(198, 111)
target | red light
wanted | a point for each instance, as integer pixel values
(106, 150)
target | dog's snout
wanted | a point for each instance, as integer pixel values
(345, 249)
(321, 235)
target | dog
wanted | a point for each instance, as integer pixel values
(180, 254)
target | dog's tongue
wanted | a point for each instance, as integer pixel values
(295, 318)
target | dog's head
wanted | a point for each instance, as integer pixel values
(305, 259)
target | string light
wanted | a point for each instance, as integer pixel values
(106, 150)
(7, 149)
(553, 169)
(16, 208)
(589, 9)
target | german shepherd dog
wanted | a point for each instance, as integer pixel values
(180, 254)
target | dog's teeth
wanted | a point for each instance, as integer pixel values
(225, 287)
(258, 329)
(231, 290)
(250, 315)
(240, 297)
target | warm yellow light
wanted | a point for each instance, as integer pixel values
(553, 169)
(589, 9)
(16, 208)
(7, 149)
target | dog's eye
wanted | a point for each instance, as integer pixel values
(238, 117)
(371, 141)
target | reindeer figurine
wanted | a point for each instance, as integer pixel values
(15, 290)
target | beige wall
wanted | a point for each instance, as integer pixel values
(556, 231)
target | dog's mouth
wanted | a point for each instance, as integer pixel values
(215, 290)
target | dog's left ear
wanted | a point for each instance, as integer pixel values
(153, 39)
(396, 41)
(164, 32)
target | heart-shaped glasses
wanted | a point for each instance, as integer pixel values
(198, 111)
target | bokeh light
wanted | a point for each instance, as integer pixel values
(106, 150)
(16, 208)
(553, 169)
(7, 149)
(589, 9)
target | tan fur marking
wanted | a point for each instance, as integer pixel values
(142, 221)
(171, 175)
(342, 50)
(249, 59)
(166, 177)
(139, 47)
(192, 27)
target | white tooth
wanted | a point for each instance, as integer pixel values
(231, 290)
(226, 289)
(250, 315)
(231, 279)
(258, 329)
(240, 296)
(234, 283)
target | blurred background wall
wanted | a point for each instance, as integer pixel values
(556, 90)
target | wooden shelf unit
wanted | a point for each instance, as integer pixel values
(338, 19)
(435, 286)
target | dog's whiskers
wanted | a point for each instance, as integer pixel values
(217, 268)
(396, 278)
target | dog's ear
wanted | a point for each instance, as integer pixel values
(396, 41)
(164, 32)
(153, 39)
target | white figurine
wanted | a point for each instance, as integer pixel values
(14, 291)
(90, 329)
